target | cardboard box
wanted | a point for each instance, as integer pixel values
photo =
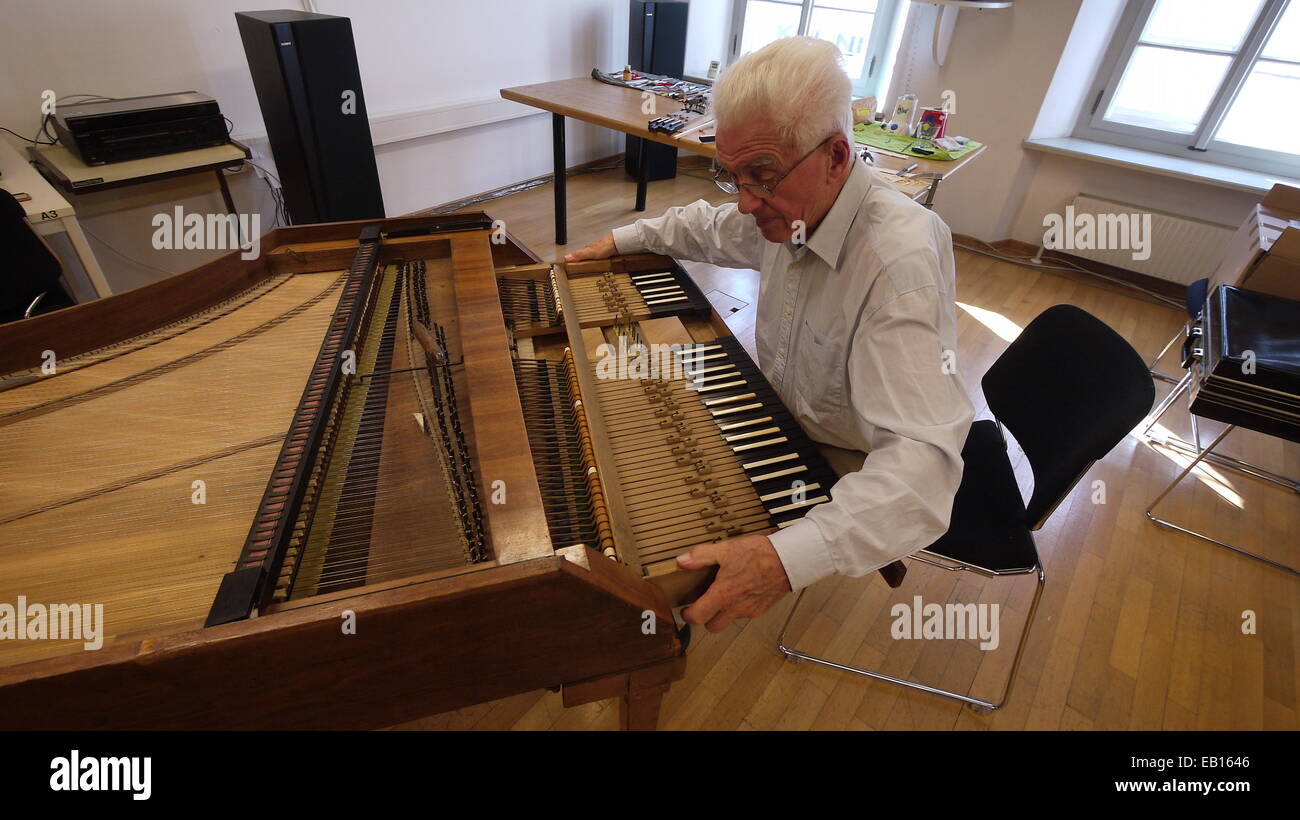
(1264, 253)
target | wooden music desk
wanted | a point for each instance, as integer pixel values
(619, 108)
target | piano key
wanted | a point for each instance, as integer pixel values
(807, 502)
(789, 471)
(751, 434)
(723, 386)
(736, 425)
(704, 379)
(772, 442)
(714, 402)
(731, 411)
(698, 346)
(767, 462)
(789, 492)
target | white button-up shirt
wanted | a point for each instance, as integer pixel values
(856, 331)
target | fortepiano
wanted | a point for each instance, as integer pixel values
(381, 471)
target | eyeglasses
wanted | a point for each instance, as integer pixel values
(727, 181)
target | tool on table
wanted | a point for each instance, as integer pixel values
(695, 126)
(666, 124)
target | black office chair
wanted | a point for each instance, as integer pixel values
(29, 270)
(1069, 389)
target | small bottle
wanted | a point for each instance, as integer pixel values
(627, 73)
(903, 119)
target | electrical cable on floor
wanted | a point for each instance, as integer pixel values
(123, 256)
(277, 191)
(277, 194)
(274, 196)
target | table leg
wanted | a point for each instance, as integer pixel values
(642, 174)
(557, 146)
(86, 255)
(929, 195)
(639, 711)
(230, 205)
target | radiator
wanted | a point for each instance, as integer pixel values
(1166, 246)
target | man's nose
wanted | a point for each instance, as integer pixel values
(748, 202)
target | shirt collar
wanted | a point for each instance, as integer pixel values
(828, 240)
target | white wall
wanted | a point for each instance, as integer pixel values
(1003, 67)
(424, 65)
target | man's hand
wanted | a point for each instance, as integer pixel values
(750, 580)
(602, 248)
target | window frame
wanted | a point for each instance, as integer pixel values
(882, 26)
(1200, 145)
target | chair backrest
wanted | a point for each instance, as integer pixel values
(1069, 389)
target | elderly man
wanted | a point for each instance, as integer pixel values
(856, 326)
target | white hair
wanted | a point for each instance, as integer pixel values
(797, 82)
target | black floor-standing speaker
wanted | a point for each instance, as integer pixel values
(308, 85)
(656, 44)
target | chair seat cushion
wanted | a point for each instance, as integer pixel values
(988, 527)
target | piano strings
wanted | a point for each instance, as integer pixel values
(112, 512)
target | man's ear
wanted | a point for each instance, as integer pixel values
(841, 156)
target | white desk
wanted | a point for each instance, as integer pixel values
(47, 210)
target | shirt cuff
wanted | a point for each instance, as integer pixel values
(627, 239)
(804, 553)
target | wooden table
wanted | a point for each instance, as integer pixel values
(68, 173)
(619, 108)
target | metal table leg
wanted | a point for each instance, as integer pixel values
(230, 205)
(561, 195)
(1170, 525)
(929, 195)
(642, 175)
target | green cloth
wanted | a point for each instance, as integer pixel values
(876, 137)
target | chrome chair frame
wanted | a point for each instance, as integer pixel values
(977, 704)
(1205, 455)
(1151, 366)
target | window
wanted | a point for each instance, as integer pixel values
(1205, 79)
(863, 30)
